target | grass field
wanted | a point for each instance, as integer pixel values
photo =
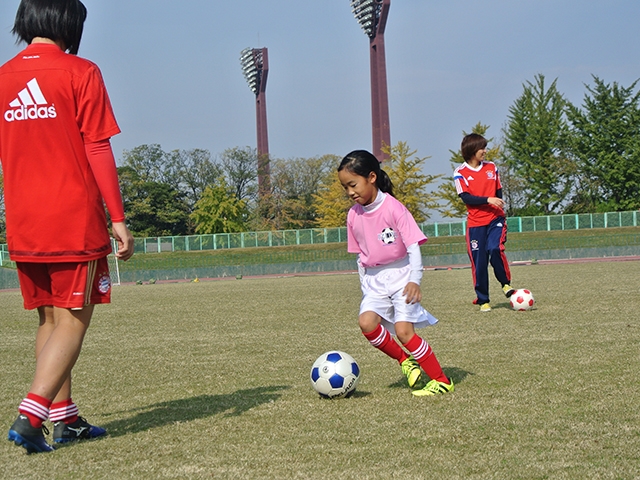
(211, 380)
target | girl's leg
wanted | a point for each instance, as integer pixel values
(421, 351)
(479, 257)
(496, 238)
(58, 344)
(380, 337)
(55, 361)
(47, 325)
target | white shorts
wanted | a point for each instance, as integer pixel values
(382, 289)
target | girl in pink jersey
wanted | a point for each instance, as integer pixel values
(58, 169)
(387, 240)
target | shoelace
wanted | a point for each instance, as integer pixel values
(409, 365)
(435, 387)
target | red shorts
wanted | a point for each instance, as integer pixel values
(66, 285)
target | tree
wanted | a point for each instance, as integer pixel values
(148, 161)
(289, 203)
(219, 210)
(303, 177)
(409, 182)
(278, 208)
(533, 146)
(605, 141)
(191, 171)
(240, 166)
(153, 208)
(331, 203)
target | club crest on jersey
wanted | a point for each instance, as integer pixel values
(490, 174)
(30, 104)
(388, 236)
(474, 245)
(104, 283)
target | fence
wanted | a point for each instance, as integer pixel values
(219, 241)
(234, 261)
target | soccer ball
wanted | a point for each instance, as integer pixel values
(388, 236)
(522, 299)
(335, 374)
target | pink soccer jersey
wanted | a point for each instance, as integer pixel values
(382, 236)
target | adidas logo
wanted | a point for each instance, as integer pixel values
(30, 104)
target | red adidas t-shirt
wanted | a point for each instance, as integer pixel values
(52, 104)
(483, 181)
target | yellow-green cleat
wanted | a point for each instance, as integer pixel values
(508, 290)
(412, 371)
(485, 307)
(434, 388)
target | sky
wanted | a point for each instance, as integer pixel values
(174, 77)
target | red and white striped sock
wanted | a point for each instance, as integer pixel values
(65, 411)
(383, 341)
(423, 353)
(36, 408)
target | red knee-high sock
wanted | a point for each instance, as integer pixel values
(65, 411)
(383, 341)
(36, 408)
(423, 353)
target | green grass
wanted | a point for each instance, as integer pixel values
(529, 241)
(211, 380)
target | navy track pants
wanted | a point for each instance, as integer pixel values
(486, 245)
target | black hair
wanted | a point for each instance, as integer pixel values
(57, 20)
(362, 163)
(471, 144)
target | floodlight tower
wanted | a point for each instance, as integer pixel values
(255, 67)
(372, 17)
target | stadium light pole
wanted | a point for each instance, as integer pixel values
(255, 67)
(372, 17)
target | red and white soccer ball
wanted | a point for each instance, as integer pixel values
(522, 299)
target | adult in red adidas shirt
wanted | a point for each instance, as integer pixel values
(478, 185)
(58, 168)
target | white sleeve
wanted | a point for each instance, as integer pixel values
(415, 261)
(361, 269)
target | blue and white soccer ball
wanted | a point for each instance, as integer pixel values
(335, 374)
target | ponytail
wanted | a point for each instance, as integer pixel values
(383, 182)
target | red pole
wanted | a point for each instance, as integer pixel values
(381, 132)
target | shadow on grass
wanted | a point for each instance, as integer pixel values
(187, 409)
(355, 394)
(456, 374)
(502, 305)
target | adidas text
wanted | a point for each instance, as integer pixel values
(30, 113)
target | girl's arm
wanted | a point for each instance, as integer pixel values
(412, 290)
(476, 200)
(469, 199)
(415, 261)
(361, 269)
(103, 165)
